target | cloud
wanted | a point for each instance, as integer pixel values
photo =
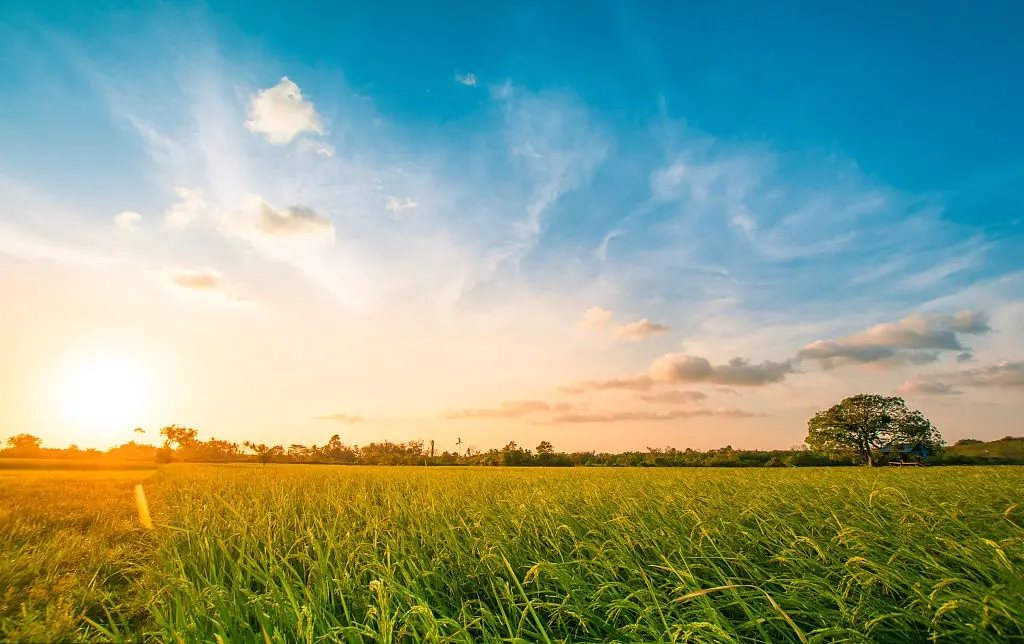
(466, 79)
(295, 220)
(199, 279)
(682, 368)
(598, 318)
(315, 146)
(1003, 375)
(191, 206)
(554, 142)
(620, 416)
(507, 410)
(396, 205)
(341, 418)
(628, 383)
(738, 372)
(280, 113)
(916, 339)
(595, 318)
(675, 397)
(635, 331)
(127, 220)
(919, 386)
(204, 283)
(602, 249)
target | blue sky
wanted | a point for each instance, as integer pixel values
(449, 189)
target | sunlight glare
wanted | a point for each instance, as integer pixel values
(103, 399)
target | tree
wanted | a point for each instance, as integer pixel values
(24, 443)
(545, 453)
(264, 453)
(864, 423)
(182, 437)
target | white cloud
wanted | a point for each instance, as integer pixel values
(190, 208)
(639, 330)
(602, 249)
(596, 318)
(396, 205)
(127, 220)
(466, 79)
(280, 113)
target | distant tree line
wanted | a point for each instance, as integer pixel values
(182, 444)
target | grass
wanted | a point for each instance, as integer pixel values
(321, 554)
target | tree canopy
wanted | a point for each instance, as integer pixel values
(865, 423)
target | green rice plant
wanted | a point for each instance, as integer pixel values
(296, 553)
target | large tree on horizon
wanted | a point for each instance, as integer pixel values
(865, 423)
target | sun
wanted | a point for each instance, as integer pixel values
(102, 399)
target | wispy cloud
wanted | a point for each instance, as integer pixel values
(640, 382)
(675, 397)
(469, 80)
(346, 419)
(396, 205)
(508, 410)
(624, 416)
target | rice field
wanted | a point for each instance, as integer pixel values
(293, 553)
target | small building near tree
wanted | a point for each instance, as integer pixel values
(910, 454)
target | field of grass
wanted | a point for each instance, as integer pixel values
(292, 553)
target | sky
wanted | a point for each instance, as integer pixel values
(609, 225)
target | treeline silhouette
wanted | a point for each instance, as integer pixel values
(182, 444)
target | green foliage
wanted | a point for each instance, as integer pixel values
(264, 453)
(290, 553)
(1003, 451)
(864, 423)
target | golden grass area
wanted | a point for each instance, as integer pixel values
(70, 545)
(294, 553)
